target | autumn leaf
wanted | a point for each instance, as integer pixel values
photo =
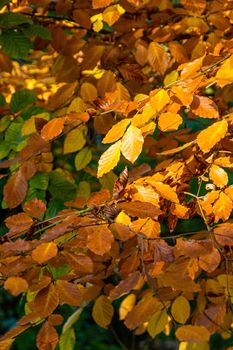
(52, 129)
(44, 252)
(159, 100)
(74, 141)
(194, 334)
(126, 305)
(169, 121)
(99, 240)
(158, 58)
(102, 311)
(222, 207)
(157, 323)
(15, 190)
(181, 309)
(165, 191)
(109, 159)
(117, 131)
(16, 285)
(47, 336)
(210, 136)
(218, 176)
(132, 143)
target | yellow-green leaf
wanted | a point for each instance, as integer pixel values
(74, 141)
(102, 311)
(157, 323)
(180, 309)
(132, 143)
(82, 158)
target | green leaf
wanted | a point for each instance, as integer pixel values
(36, 30)
(67, 340)
(4, 122)
(12, 19)
(2, 101)
(15, 44)
(33, 110)
(22, 99)
(61, 188)
(60, 271)
(13, 135)
(39, 181)
(82, 158)
(4, 150)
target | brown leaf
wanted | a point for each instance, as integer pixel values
(69, 293)
(139, 209)
(46, 301)
(15, 190)
(35, 208)
(44, 252)
(99, 239)
(47, 337)
(125, 286)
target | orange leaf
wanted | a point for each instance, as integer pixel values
(158, 58)
(132, 143)
(125, 285)
(224, 234)
(210, 136)
(16, 285)
(204, 107)
(218, 176)
(52, 129)
(69, 293)
(169, 121)
(15, 190)
(47, 337)
(35, 208)
(222, 207)
(109, 159)
(140, 209)
(100, 3)
(100, 240)
(103, 311)
(117, 131)
(46, 301)
(44, 252)
(193, 334)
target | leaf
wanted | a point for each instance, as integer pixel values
(210, 136)
(177, 149)
(52, 129)
(44, 252)
(46, 301)
(88, 92)
(99, 240)
(69, 293)
(140, 209)
(102, 311)
(181, 309)
(10, 19)
(204, 107)
(74, 141)
(224, 234)
(60, 187)
(67, 340)
(100, 3)
(15, 44)
(21, 99)
(117, 131)
(83, 158)
(112, 13)
(47, 337)
(132, 143)
(169, 121)
(15, 190)
(109, 159)
(193, 334)
(126, 305)
(159, 100)
(165, 191)
(222, 207)
(120, 184)
(16, 285)
(224, 74)
(35, 208)
(157, 323)
(125, 286)
(218, 176)
(158, 58)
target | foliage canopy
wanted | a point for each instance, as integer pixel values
(116, 165)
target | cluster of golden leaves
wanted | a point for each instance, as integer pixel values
(137, 72)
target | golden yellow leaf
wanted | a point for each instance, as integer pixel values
(181, 309)
(165, 191)
(157, 323)
(117, 131)
(193, 334)
(74, 141)
(44, 252)
(169, 121)
(218, 176)
(88, 92)
(132, 143)
(194, 346)
(225, 73)
(112, 13)
(127, 305)
(16, 285)
(109, 159)
(159, 100)
(171, 77)
(210, 136)
(123, 218)
(77, 105)
(102, 311)
(142, 118)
